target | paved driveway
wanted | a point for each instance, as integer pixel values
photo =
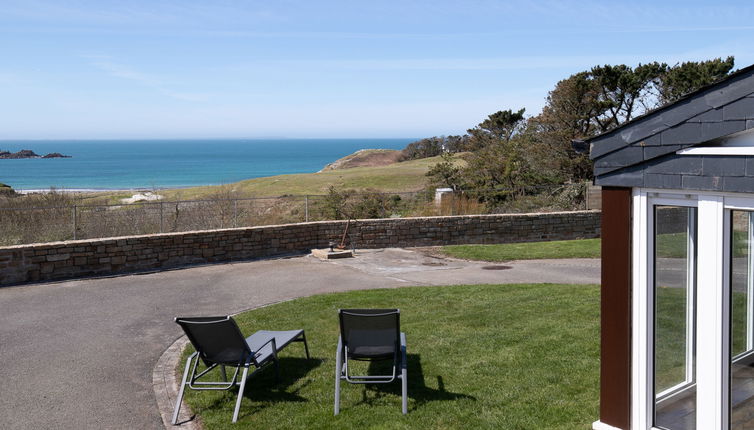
(79, 354)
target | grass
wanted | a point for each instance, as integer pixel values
(672, 245)
(582, 248)
(406, 176)
(483, 357)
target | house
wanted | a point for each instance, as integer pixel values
(677, 310)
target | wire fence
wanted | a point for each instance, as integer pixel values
(28, 220)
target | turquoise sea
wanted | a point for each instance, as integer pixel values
(132, 164)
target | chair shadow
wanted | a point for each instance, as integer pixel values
(263, 389)
(417, 389)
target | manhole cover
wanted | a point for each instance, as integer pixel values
(496, 267)
(432, 263)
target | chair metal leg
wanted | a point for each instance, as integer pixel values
(240, 393)
(404, 375)
(338, 371)
(404, 389)
(183, 386)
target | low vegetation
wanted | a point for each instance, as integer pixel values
(583, 248)
(481, 357)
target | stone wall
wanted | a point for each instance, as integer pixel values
(99, 257)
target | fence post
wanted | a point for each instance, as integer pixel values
(306, 208)
(75, 226)
(161, 217)
(235, 213)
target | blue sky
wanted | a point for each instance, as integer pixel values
(182, 69)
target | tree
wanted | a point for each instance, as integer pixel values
(686, 77)
(499, 127)
(581, 106)
(334, 204)
(434, 146)
(605, 97)
(424, 148)
(509, 159)
(623, 92)
(569, 113)
(445, 174)
(455, 144)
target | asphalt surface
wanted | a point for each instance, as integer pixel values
(80, 354)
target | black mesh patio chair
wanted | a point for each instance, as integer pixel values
(371, 335)
(219, 343)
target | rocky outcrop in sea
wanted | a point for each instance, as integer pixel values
(28, 153)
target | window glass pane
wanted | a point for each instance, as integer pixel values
(674, 334)
(742, 364)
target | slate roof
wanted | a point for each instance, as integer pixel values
(631, 154)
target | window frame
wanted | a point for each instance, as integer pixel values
(713, 265)
(642, 380)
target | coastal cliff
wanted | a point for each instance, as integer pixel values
(366, 158)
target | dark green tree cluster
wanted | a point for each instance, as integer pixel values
(512, 153)
(434, 146)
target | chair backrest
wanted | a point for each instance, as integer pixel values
(370, 333)
(216, 339)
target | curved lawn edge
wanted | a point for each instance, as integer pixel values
(530, 359)
(556, 249)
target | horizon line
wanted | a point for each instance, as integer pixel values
(31, 139)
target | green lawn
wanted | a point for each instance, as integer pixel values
(583, 248)
(483, 356)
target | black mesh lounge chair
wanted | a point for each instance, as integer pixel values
(218, 342)
(371, 335)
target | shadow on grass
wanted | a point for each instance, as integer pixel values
(264, 391)
(264, 388)
(417, 389)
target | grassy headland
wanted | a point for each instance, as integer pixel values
(405, 176)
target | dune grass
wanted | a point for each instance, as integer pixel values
(406, 176)
(582, 248)
(482, 357)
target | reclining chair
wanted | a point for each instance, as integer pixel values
(218, 342)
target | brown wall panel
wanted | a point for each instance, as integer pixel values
(615, 355)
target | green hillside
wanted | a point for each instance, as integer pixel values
(397, 177)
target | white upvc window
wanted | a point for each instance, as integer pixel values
(692, 310)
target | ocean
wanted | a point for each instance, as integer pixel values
(147, 164)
